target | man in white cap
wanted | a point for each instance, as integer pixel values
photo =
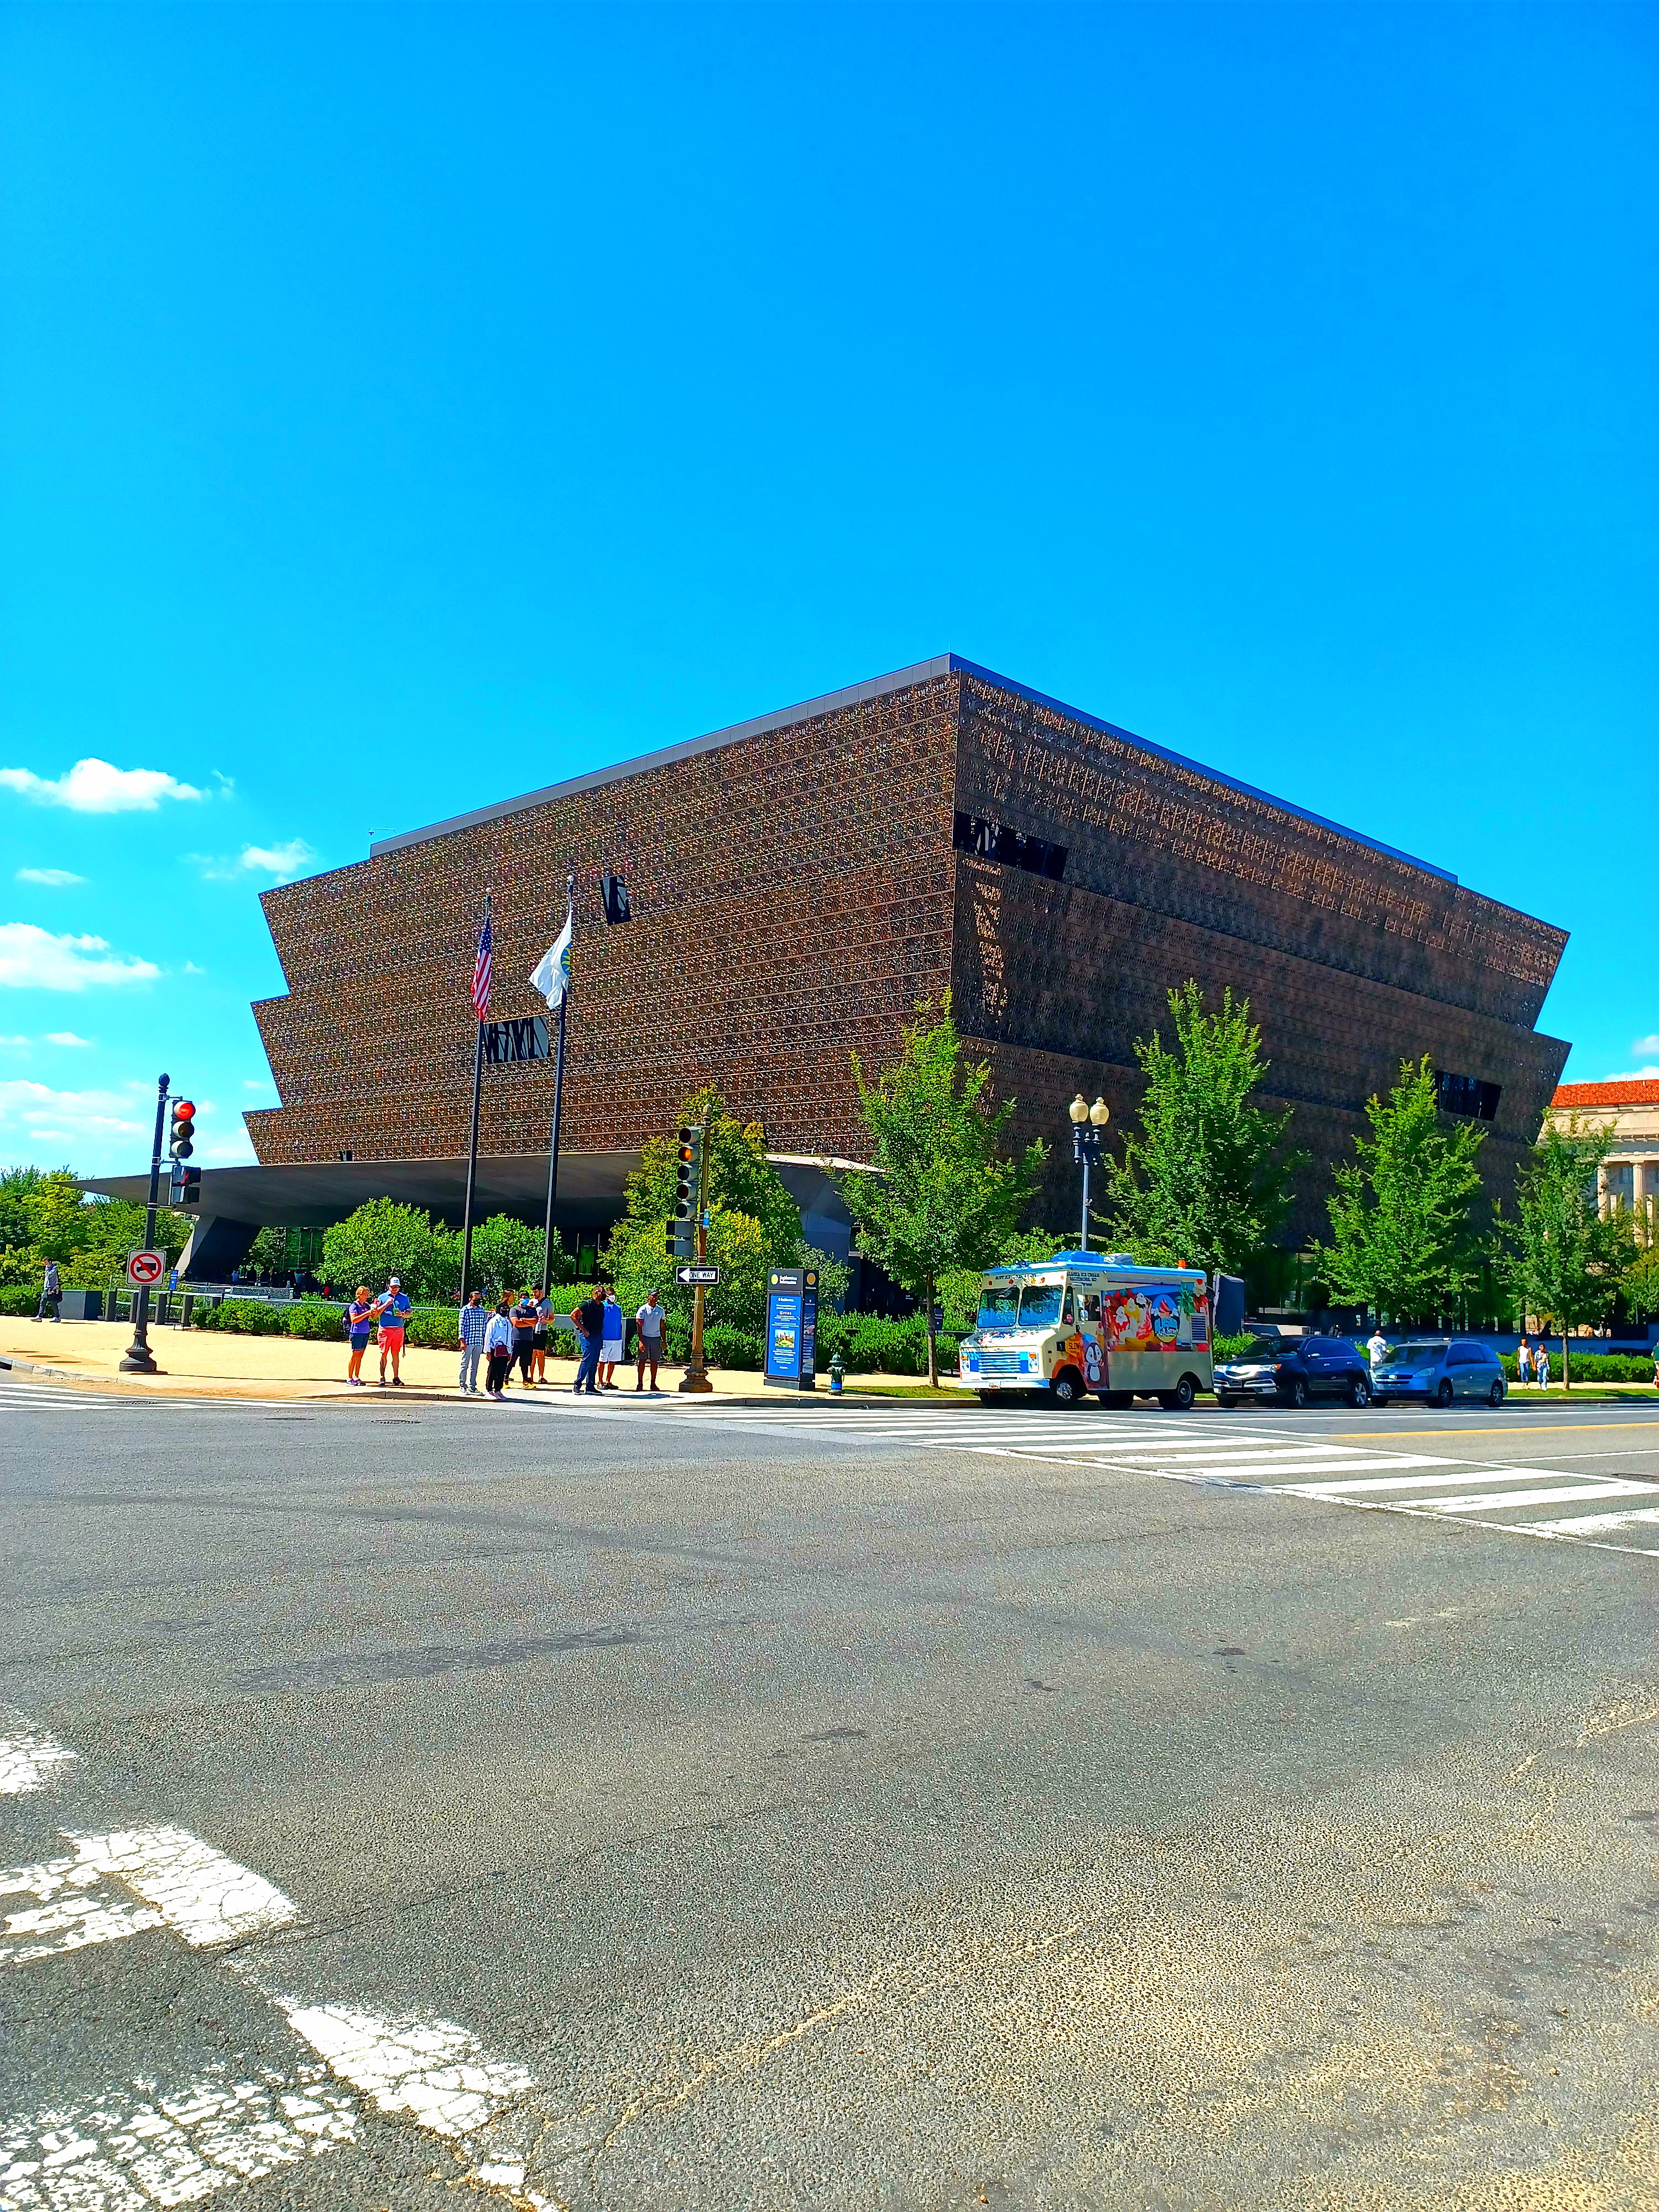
(391, 1311)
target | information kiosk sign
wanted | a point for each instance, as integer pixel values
(792, 1327)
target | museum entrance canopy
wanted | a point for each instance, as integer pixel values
(311, 1194)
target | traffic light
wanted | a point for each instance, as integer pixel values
(186, 1189)
(183, 1129)
(683, 1229)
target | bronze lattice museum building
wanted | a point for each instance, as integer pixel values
(800, 882)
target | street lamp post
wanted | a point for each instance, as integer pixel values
(1088, 1135)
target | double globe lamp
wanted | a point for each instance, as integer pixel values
(1088, 1126)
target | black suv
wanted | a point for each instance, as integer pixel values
(1294, 1369)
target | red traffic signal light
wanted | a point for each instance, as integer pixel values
(184, 1129)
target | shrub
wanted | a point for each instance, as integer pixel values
(1592, 1366)
(20, 1298)
(870, 1345)
(436, 1327)
(725, 1347)
(244, 1317)
(316, 1321)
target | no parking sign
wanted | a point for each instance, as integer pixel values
(144, 1268)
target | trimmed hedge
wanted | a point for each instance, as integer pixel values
(20, 1299)
(1592, 1366)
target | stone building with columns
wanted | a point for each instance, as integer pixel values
(1630, 1110)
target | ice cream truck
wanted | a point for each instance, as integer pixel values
(1090, 1323)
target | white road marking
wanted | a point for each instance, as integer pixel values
(29, 1762)
(200, 1893)
(136, 2147)
(1592, 1524)
(1463, 1473)
(1563, 1491)
(75, 1904)
(434, 2070)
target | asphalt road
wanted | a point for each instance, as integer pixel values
(816, 1807)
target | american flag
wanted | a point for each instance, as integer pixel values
(482, 968)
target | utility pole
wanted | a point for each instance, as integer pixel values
(558, 1099)
(140, 1360)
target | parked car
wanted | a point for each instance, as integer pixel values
(1294, 1369)
(1436, 1370)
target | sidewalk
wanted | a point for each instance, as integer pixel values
(203, 1362)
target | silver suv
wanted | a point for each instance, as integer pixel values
(1434, 1372)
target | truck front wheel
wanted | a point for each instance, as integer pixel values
(1066, 1387)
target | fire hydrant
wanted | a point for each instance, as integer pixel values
(836, 1371)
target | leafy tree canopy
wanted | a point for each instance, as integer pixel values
(942, 1196)
(1402, 1238)
(1562, 1260)
(1203, 1182)
(754, 1225)
(382, 1239)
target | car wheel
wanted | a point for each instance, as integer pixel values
(1295, 1393)
(1359, 1394)
(1496, 1395)
(1180, 1400)
(1066, 1388)
(1442, 1397)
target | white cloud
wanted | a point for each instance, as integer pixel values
(255, 1083)
(190, 968)
(94, 787)
(11, 1040)
(234, 1150)
(33, 959)
(1629, 1075)
(1646, 1047)
(34, 1112)
(68, 1037)
(282, 862)
(55, 879)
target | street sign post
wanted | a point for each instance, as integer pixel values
(706, 1276)
(144, 1268)
(694, 1192)
(792, 1327)
(139, 1360)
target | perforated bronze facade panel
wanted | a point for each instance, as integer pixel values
(796, 892)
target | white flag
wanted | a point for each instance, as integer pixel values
(551, 974)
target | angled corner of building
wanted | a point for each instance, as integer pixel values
(800, 882)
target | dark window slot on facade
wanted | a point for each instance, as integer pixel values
(1467, 1095)
(1010, 848)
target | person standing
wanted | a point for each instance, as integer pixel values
(51, 1292)
(523, 1335)
(538, 1342)
(648, 1321)
(473, 1321)
(359, 1318)
(611, 1348)
(1523, 1362)
(1541, 1365)
(391, 1311)
(498, 1347)
(1377, 1347)
(587, 1319)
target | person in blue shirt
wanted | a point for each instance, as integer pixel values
(391, 1311)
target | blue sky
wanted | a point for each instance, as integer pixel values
(401, 408)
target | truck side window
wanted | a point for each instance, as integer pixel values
(1090, 1301)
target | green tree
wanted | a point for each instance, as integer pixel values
(1640, 1280)
(57, 1216)
(1401, 1234)
(507, 1254)
(1562, 1259)
(941, 1196)
(382, 1239)
(959, 1290)
(268, 1253)
(754, 1224)
(1203, 1182)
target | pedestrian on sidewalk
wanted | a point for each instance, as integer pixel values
(587, 1319)
(538, 1342)
(1378, 1346)
(474, 1320)
(1523, 1362)
(1541, 1365)
(51, 1292)
(649, 1320)
(359, 1318)
(498, 1345)
(523, 1335)
(611, 1349)
(392, 1310)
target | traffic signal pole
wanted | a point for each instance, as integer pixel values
(696, 1378)
(140, 1360)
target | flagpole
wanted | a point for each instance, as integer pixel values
(472, 1147)
(558, 1104)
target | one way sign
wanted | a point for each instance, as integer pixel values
(696, 1274)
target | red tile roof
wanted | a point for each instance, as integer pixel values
(1606, 1094)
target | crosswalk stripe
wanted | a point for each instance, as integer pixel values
(1558, 1495)
(1593, 1524)
(1419, 1482)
